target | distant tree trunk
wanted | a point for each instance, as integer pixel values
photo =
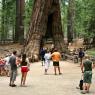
(91, 28)
(3, 20)
(19, 27)
(71, 16)
(93, 41)
(21, 33)
(46, 22)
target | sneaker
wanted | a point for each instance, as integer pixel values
(77, 87)
(87, 91)
(55, 74)
(13, 85)
(9, 84)
(60, 73)
(83, 92)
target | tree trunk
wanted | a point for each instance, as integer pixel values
(71, 16)
(46, 23)
(3, 21)
(19, 28)
(93, 41)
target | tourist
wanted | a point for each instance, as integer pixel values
(42, 53)
(7, 65)
(18, 60)
(13, 65)
(47, 61)
(2, 65)
(81, 55)
(56, 56)
(24, 69)
(86, 68)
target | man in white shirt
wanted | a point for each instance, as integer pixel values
(7, 65)
(47, 60)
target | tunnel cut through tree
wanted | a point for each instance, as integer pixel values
(45, 23)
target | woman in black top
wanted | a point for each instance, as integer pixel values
(24, 69)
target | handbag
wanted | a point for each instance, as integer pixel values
(81, 83)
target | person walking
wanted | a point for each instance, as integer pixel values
(86, 68)
(13, 73)
(42, 53)
(7, 65)
(47, 61)
(56, 56)
(81, 55)
(24, 69)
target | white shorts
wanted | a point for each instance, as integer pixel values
(47, 64)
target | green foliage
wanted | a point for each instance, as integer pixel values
(7, 16)
(91, 52)
(28, 13)
(84, 17)
(64, 6)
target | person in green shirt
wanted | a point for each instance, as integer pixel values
(86, 68)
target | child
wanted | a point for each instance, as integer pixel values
(47, 61)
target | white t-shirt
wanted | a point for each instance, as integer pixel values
(28, 63)
(7, 60)
(47, 56)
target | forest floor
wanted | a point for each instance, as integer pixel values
(8, 49)
(40, 84)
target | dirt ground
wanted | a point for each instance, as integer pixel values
(40, 84)
(8, 49)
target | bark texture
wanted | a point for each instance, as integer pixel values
(46, 22)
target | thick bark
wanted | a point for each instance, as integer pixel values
(46, 23)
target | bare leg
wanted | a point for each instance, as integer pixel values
(80, 61)
(84, 86)
(22, 79)
(59, 70)
(88, 87)
(55, 70)
(45, 71)
(25, 74)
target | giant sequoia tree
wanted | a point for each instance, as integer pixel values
(46, 22)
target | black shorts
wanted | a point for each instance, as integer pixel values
(55, 63)
(43, 59)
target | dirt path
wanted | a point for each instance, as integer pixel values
(40, 84)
